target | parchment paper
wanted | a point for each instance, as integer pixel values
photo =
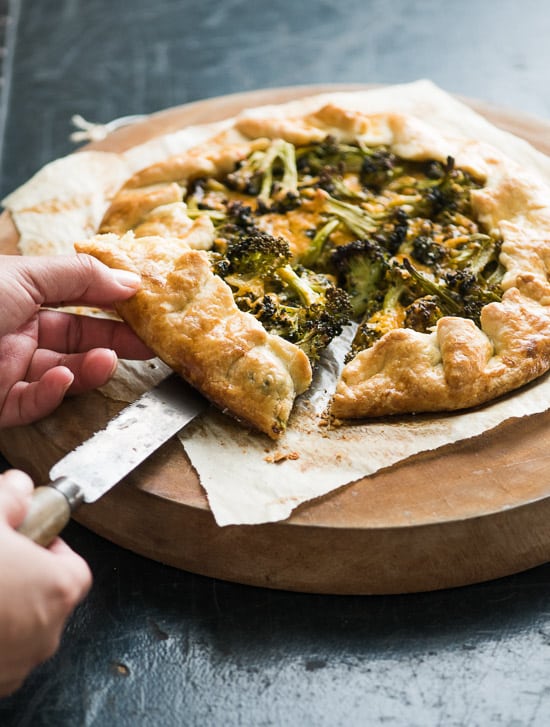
(247, 477)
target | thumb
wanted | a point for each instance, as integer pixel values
(15, 495)
(74, 279)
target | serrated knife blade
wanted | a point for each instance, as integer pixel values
(103, 460)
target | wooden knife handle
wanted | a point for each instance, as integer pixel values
(50, 511)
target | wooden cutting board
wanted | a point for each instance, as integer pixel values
(468, 512)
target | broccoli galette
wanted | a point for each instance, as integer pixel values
(257, 248)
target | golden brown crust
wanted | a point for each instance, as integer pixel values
(203, 161)
(164, 183)
(131, 206)
(187, 315)
(456, 366)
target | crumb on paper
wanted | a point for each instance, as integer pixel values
(278, 456)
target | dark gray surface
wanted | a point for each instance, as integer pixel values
(155, 646)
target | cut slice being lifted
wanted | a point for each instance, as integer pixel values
(187, 314)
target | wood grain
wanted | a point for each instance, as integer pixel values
(466, 513)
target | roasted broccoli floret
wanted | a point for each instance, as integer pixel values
(311, 327)
(329, 157)
(238, 220)
(319, 242)
(394, 233)
(257, 253)
(446, 191)
(427, 251)
(386, 313)
(479, 255)
(247, 261)
(423, 313)
(358, 220)
(301, 306)
(458, 292)
(379, 167)
(309, 310)
(332, 313)
(448, 301)
(270, 175)
(361, 267)
(239, 214)
(472, 290)
(326, 165)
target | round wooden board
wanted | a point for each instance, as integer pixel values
(465, 513)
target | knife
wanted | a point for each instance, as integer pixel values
(99, 463)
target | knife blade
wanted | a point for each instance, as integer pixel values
(99, 463)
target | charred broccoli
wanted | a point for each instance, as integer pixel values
(472, 290)
(448, 301)
(480, 256)
(423, 313)
(446, 191)
(397, 235)
(270, 175)
(358, 220)
(427, 251)
(301, 306)
(328, 157)
(469, 280)
(257, 253)
(386, 312)
(311, 327)
(361, 267)
(379, 167)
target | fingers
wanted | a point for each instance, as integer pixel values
(26, 283)
(68, 583)
(77, 569)
(15, 494)
(34, 380)
(51, 376)
(69, 333)
(27, 402)
(16, 490)
(77, 279)
(90, 370)
(40, 589)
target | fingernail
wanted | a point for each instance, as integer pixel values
(127, 279)
(70, 379)
(114, 365)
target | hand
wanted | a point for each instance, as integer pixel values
(45, 353)
(39, 588)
